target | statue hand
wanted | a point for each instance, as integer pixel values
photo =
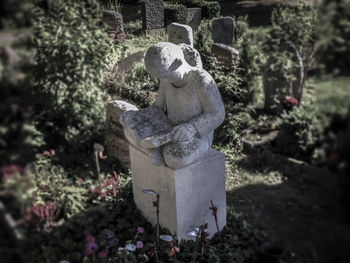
(184, 132)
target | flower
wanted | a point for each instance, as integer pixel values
(290, 101)
(130, 247)
(103, 253)
(90, 239)
(91, 248)
(140, 229)
(10, 170)
(139, 244)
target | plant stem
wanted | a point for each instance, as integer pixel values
(97, 165)
(157, 212)
(157, 259)
(215, 215)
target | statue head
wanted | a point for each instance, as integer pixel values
(166, 60)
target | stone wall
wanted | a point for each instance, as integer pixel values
(117, 145)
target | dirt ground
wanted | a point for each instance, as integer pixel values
(302, 210)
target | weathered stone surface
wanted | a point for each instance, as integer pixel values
(194, 17)
(185, 193)
(180, 34)
(192, 103)
(153, 14)
(115, 24)
(225, 54)
(223, 30)
(117, 145)
(192, 56)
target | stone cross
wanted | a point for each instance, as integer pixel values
(170, 144)
(153, 15)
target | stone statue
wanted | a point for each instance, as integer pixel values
(192, 107)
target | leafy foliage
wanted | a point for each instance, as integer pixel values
(16, 13)
(72, 53)
(290, 49)
(299, 131)
(138, 86)
(175, 13)
(209, 9)
(334, 33)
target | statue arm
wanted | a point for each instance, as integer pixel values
(213, 108)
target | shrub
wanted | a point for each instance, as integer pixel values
(71, 57)
(249, 42)
(203, 40)
(334, 33)
(290, 49)
(299, 131)
(209, 9)
(175, 13)
(16, 13)
(137, 86)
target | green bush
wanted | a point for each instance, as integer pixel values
(137, 87)
(16, 13)
(299, 131)
(175, 13)
(203, 40)
(249, 42)
(72, 54)
(209, 9)
(290, 50)
(333, 35)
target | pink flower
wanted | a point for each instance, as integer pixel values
(103, 253)
(290, 100)
(80, 180)
(91, 248)
(10, 170)
(139, 244)
(90, 239)
(46, 153)
(140, 229)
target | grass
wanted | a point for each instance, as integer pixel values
(333, 95)
(137, 40)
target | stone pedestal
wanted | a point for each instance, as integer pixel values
(185, 193)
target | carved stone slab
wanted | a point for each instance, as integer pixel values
(180, 34)
(194, 17)
(153, 14)
(225, 54)
(223, 30)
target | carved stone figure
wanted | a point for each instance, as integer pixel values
(179, 129)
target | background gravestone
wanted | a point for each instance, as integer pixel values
(152, 15)
(194, 17)
(225, 54)
(179, 34)
(223, 30)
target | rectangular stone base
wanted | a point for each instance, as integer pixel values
(185, 193)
